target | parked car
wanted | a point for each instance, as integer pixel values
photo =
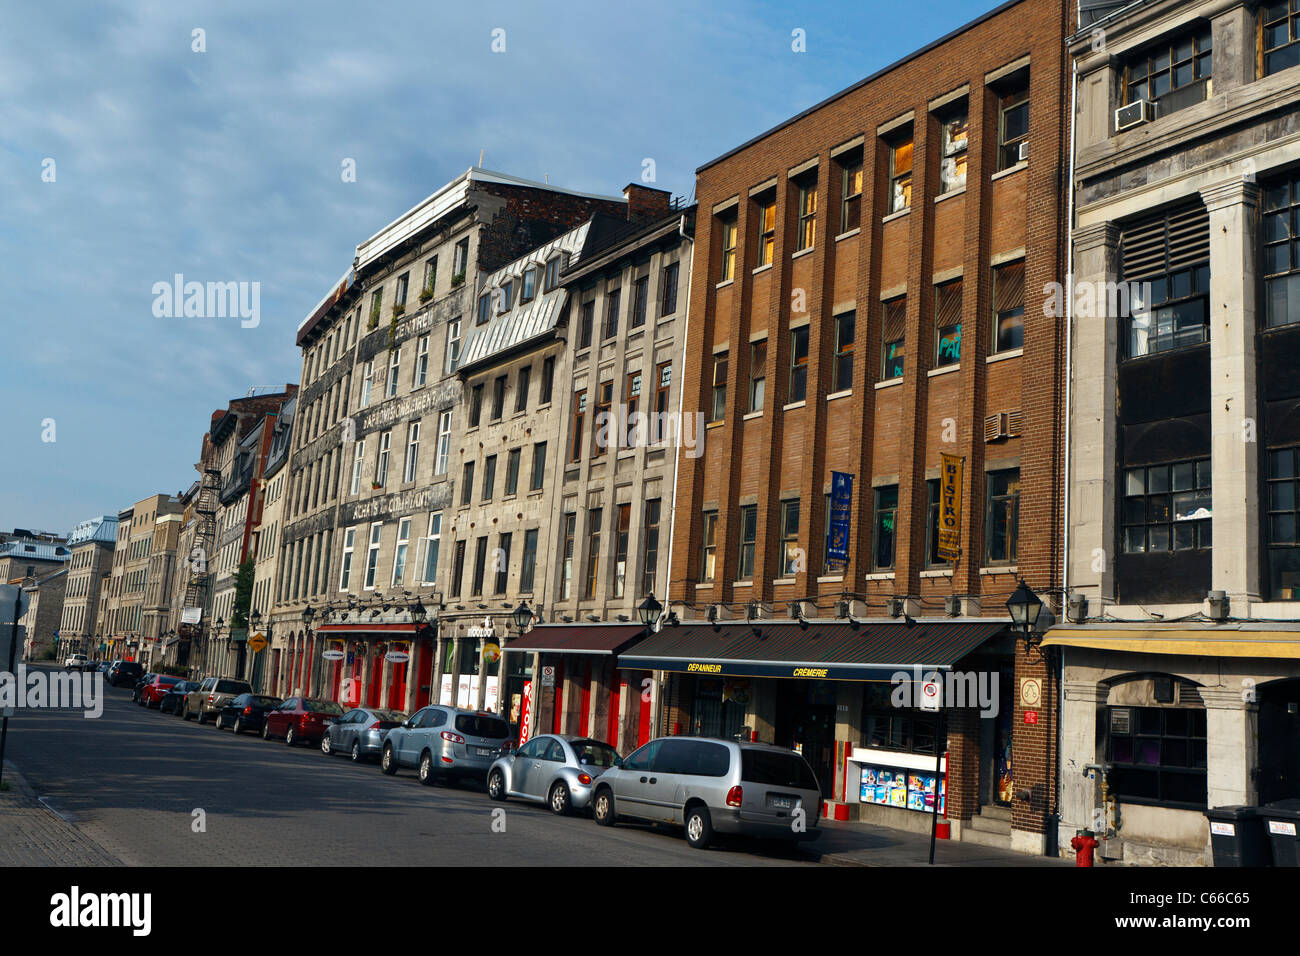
(246, 712)
(123, 673)
(360, 732)
(211, 695)
(444, 743)
(559, 770)
(152, 693)
(173, 701)
(710, 785)
(139, 685)
(77, 662)
(300, 719)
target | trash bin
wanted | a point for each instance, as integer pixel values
(1283, 821)
(1238, 836)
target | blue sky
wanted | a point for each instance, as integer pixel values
(225, 166)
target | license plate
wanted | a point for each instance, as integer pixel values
(780, 803)
(484, 751)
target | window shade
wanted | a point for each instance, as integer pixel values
(1166, 243)
(947, 304)
(895, 320)
(1009, 287)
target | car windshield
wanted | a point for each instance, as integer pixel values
(321, 706)
(593, 753)
(232, 687)
(776, 769)
(477, 725)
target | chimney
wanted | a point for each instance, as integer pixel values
(645, 203)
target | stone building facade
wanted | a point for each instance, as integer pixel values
(91, 546)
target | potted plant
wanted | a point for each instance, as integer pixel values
(458, 279)
(399, 308)
(425, 295)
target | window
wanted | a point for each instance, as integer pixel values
(412, 451)
(548, 380)
(521, 388)
(954, 129)
(727, 228)
(372, 555)
(593, 551)
(709, 551)
(430, 278)
(484, 309)
(843, 370)
(1157, 754)
(433, 543)
(528, 285)
(905, 730)
(900, 175)
(376, 306)
(1013, 124)
(651, 555)
(947, 323)
(1281, 240)
(551, 278)
(528, 563)
(498, 397)
(394, 361)
(460, 260)
(587, 315)
(668, 289)
(570, 529)
(367, 378)
(579, 416)
(458, 569)
(421, 362)
(489, 476)
(506, 296)
(1174, 73)
(399, 556)
(381, 466)
(851, 191)
(453, 345)
(807, 213)
(664, 377)
(1165, 260)
(444, 443)
(932, 559)
(1280, 26)
(501, 561)
(610, 328)
(349, 546)
(883, 528)
(399, 299)
(718, 406)
(1009, 306)
(603, 422)
(539, 466)
(512, 470)
(790, 563)
(1167, 507)
(640, 301)
(480, 566)
(766, 229)
(1283, 527)
(633, 403)
(358, 456)
(475, 405)
(757, 374)
(620, 549)
(893, 328)
(798, 364)
(467, 483)
(1002, 518)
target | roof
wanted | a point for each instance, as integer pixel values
(101, 529)
(26, 550)
(611, 237)
(318, 312)
(1002, 8)
(836, 651)
(579, 638)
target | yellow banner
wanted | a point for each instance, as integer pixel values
(950, 507)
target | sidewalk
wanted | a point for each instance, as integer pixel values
(861, 844)
(33, 835)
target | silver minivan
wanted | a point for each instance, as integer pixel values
(443, 742)
(711, 785)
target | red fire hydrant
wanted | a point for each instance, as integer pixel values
(1083, 844)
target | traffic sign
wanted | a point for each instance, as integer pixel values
(257, 642)
(930, 695)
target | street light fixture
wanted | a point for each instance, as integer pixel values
(418, 612)
(523, 616)
(1025, 606)
(649, 610)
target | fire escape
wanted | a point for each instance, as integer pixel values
(200, 558)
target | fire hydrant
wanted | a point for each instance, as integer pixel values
(1083, 844)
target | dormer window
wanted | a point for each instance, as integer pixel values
(552, 277)
(528, 285)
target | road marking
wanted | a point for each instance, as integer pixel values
(66, 817)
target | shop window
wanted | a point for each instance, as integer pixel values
(902, 730)
(1157, 754)
(1167, 507)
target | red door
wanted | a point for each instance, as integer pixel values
(336, 678)
(643, 723)
(584, 721)
(557, 725)
(611, 728)
(424, 672)
(397, 688)
(376, 678)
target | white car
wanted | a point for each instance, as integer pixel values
(76, 662)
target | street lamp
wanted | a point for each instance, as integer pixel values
(523, 616)
(649, 610)
(1024, 606)
(418, 612)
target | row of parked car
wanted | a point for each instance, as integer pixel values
(706, 786)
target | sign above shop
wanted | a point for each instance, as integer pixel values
(333, 654)
(399, 653)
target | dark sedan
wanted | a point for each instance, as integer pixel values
(246, 712)
(301, 719)
(360, 733)
(174, 700)
(124, 674)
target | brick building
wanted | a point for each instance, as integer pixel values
(838, 259)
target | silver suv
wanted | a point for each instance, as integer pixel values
(213, 694)
(444, 742)
(710, 785)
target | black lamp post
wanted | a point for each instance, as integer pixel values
(649, 610)
(523, 616)
(1024, 606)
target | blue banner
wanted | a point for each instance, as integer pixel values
(837, 546)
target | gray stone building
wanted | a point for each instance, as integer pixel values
(90, 545)
(1181, 658)
(44, 612)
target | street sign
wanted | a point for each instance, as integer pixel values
(1031, 716)
(257, 642)
(333, 654)
(399, 654)
(548, 676)
(930, 695)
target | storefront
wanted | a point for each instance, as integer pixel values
(375, 665)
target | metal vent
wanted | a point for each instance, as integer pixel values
(1170, 241)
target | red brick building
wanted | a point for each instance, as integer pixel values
(839, 258)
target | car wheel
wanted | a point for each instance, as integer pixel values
(217, 722)
(185, 714)
(325, 746)
(388, 763)
(426, 769)
(559, 799)
(496, 786)
(699, 828)
(203, 718)
(266, 730)
(289, 737)
(239, 726)
(603, 808)
(356, 751)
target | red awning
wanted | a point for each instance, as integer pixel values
(579, 638)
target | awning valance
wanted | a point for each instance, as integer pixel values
(578, 639)
(360, 629)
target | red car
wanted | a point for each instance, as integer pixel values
(300, 719)
(152, 693)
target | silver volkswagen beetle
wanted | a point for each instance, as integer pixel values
(556, 769)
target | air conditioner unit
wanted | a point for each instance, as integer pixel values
(1002, 425)
(1023, 154)
(1134, 114)
(894, 606)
